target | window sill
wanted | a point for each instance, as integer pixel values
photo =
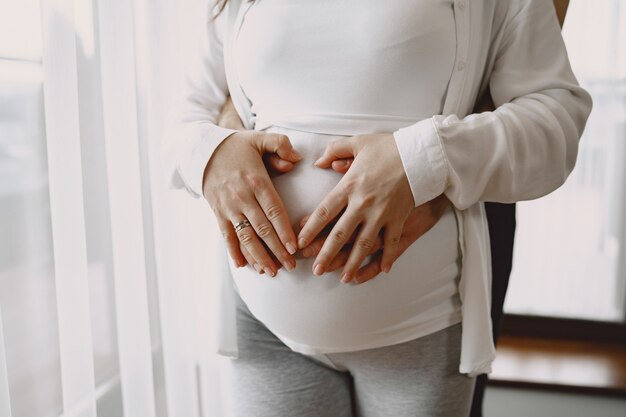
(560, 365)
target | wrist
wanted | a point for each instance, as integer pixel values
(211, 159)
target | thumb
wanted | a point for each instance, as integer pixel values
(281, 145)
(341, 165)
(277, 163)
(336, 149)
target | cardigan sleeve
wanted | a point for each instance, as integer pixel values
(524, 149)
(191, 133)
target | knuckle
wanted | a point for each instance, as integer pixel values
(322, 213)
(273, 212)
(347, 185)
(228, 236)
(282, 140)
(245, 238)
(339, 236)
(255, 181)
(367, 200)
(264, 230)
(365, 243)
(239, 196)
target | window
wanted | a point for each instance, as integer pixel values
(570, 249)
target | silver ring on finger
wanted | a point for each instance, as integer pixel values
(242, 224)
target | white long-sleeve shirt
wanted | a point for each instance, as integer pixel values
(524, 149)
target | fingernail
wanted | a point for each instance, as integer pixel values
(269, 271)
(345, 278)
(386, 268)
(302, 243)
(318, 270)
(258, 268)
(289, 266)
(291, 248)
(296, 154)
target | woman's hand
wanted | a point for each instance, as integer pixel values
(237, 186)
(375, 194)
(420, 221)
(274, 164)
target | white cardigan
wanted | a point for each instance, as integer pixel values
(524, 149)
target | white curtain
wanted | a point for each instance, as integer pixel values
(130, 286)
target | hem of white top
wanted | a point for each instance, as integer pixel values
(433, 326)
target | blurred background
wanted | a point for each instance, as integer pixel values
(107, 290)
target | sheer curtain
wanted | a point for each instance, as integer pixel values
(109, 311)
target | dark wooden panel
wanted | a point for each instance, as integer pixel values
(560, 365)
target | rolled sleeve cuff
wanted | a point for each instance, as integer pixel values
(204, 139)
(423, 159)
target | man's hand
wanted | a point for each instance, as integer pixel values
(420, 221)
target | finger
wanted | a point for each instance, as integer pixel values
(370, 270)
(248, 236)
(337, 149)
(314, 247)
(341, 165)
(277, 233)
(280, 145)
(373, 267)
(231, 240)
(303, 221)
(391, 239)
(277, 163)
(256, 266)
(274, 258)
(336, 239)
(250, 259)
(362, 247)
(342, 257)
(335, 201)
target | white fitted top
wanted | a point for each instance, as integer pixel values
(343, 67)
(315, 70)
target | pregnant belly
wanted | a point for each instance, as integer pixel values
(322, 313)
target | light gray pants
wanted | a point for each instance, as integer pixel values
(415, 378)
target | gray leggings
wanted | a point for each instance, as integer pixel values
(415, 378)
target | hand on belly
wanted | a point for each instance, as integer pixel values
(374, 194)
(420, 220)
(317, 311)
